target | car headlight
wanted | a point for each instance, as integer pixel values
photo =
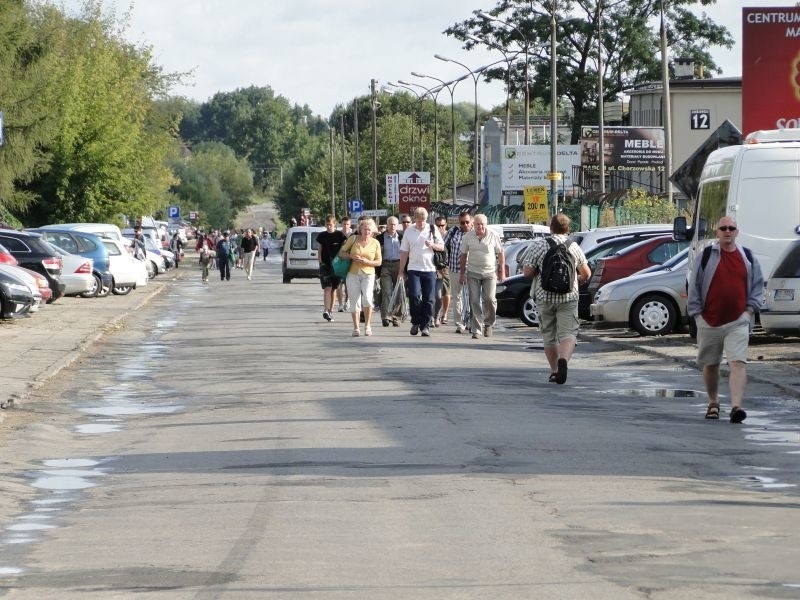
(603, 294)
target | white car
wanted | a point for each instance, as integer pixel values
(76, 273)
(127, 272)
(154, 260)
(781, 314)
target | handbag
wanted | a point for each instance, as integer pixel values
(341, 265)
(441, 258)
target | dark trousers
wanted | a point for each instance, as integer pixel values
(224, 267)
(421, 293)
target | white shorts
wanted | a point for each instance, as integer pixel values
(731, 338)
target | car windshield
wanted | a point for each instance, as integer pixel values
(676, 260)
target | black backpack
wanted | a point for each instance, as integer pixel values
(441, 258)
(558, 268)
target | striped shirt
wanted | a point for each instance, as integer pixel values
(452, 240)
(534, 257)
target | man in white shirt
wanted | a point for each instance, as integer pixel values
(416, 252)
(481, 266)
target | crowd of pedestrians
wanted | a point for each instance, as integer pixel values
(227, 250)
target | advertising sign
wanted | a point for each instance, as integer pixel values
(770, 68)
(413, 190)
(526, 166)
(535, 204)
(391, 189)
(627, 149)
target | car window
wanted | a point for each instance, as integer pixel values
(299, 241)
(62, 240)
(113, 249)
(86, 244)
(790, 265)
(665, 250)
(14, 244)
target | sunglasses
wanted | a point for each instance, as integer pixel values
(464, 222)
(727, 227)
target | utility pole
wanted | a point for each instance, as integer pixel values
(375, 106)
(344, 168)
(358, 157)
(333, 189)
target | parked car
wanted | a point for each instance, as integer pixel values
(513, 252)
(300, 253)
(6, 258)
(654, 251)
(653, 302)
(76, 273)
(594, 237)
(99, 229)
(40, 291)
(15, 296)
(32, 252)
(514, 300)
(154, 259)
(128, 272)
(781, 313)
(87, 245)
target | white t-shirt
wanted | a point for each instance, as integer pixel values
(420, 257)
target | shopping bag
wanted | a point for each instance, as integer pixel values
(398, 304)
(340, 266)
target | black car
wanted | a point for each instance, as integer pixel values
(33, 253)
(514, 300)
(15, 297)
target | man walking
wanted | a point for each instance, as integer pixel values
(390, 247)
(249, 245)
(224, 257)
(329, 242)
(558, 310)
(481, 266)
(725, 290)
(416, 251)
(453, 240)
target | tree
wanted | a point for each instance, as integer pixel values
(629, 39)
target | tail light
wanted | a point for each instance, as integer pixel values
(85, 268)
(52, 263)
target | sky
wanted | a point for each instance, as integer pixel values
(325, 52)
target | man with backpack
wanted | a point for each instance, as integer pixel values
(725, 289)
(557, 265)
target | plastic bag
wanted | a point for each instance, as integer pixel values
(398, 304)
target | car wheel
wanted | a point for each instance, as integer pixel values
(287, 279)
(104, 291)
(96, 287)
(654, 315)
(152, 270)
(122, 290)
(527, 311)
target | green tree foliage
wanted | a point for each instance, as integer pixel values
(630, 41)
(107, 157)
(641, 207)
(25, 99)
(212, 180)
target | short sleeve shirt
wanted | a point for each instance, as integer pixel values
(534, 258)
(420, 257)
(329, 245)
(481, 253)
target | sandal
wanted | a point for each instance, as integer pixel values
(738, 414)
(712, 412)
(553, 377)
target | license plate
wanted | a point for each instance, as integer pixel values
(298, 261)
(784, 295)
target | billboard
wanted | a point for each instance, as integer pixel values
(627, 149)
(413, 190)
(770, 68)
(528, 166)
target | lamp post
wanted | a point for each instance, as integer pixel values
(433, 93)
(450, 87)
(419, 99)
(476, 142)
(665, 107)
(553, 113)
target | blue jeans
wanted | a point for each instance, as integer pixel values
(421, 293)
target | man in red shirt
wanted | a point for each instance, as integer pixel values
(725, 290)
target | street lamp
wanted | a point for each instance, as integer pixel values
(450, 87)
(475, 76)
(406, 87)
(509, 60)
(433, 93)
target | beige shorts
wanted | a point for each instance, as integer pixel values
(731, 338)
(558, 321)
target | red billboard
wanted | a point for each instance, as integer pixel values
(413, 191)
(770, 68)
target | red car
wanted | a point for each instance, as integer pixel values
(654, 251)
(6, 257)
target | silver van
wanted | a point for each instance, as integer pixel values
(300, 250)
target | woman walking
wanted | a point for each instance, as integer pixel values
(365, 252)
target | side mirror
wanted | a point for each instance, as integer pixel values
(679, 229)
(702, 226)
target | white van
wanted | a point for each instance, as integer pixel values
(758, 185)
(300, 253)
(510, 232)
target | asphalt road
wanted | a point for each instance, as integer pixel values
(224, 441)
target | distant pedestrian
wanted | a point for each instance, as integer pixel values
(365, 252)
(265, 240)
(558, 311)
(481, 266)
(725, 290)
(329, 242)
(224, 257)
(389, 241)
(206, 252)
(176, 247)
(416, 251)
(248, 246)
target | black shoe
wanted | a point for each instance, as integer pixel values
(326, 315)
(385, 322)
(414, 329)
(561, 374)
(738, 414)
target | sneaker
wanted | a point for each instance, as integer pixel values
(249, 278)
(476, 335)
(395, 322)
(436, 322)
(356, 333)
(426, 332)
(459, 328)
(385, 322)
(326, 315)
(414, 329)
(341, 308)
(487, 331)
(368, 331)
